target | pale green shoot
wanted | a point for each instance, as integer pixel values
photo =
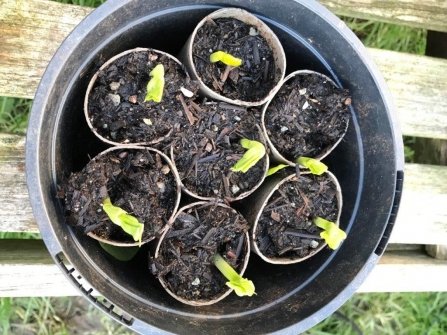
(316, 167)
(225, 58)
(275, 169)
(255, 152)
(241, 286)
(332, 234)
(127, 222)
(156, 84)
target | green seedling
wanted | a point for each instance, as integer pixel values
(255, 152)
(127, 222)
(156, 84)
(225, 58)
(241, 286)
(275, 169)
(316, 167)
(332, 234)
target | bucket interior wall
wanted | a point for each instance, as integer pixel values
(364, 163)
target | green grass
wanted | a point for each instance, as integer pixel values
(387, 36)
(55, 316)
(390, 314)
(14, 114)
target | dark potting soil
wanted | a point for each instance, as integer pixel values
(251, 81)
(307, 116)
(138, 181)
(185, 254)
(116, 103)
(205, 152)
(285, 227)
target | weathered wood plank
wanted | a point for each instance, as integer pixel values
(15, 208)
(427, 14)
(419, 92)
(27, 270)
(421, 273)
(422, 216)
(30, 34)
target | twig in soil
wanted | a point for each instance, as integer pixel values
(208, 235)
(283, 251)
(226, 184)
(196, 107)
(203, 59)
(266, 71)
(224, 76)
(301, 194)
(256, 57)
(298, 233)
(191, 118)
(177, 233)
(277, 207)
(208, 159)
(240, 245)
(217, 82)
(193, 163)
(272, 203)
(224, 105)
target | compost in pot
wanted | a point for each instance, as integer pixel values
(120, 108)
(184, 257)
(307, 116)
(251, 76)
(137, 181)
(286, 228)
(207, 152)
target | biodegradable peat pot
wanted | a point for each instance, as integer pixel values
(312, 133)
(368, 164)
(272, 219)
(114, 104)
(276, 70)
(200, 222)
(209, 148)
(125, 174)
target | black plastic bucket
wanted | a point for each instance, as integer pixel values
(368, 164)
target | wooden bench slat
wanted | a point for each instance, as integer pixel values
(418, 89)
(30, 33)
(427, 14)
(27, 270)
(27, 48)
(422, 216)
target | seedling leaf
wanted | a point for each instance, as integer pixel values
(156, 84)
(225, 58)
(332, 234)
(127, 222)
(316, 167)
(275, 169)
(241, 286)
(255, 152)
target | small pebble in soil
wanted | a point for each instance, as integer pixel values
(115, 99)
(114, 86)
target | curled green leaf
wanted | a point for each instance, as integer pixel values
(275, 169)
(241, 286)
(255, 152)
(316, 167)
(332, 234)
(225, 58)
(127, 222)
(156, 84)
